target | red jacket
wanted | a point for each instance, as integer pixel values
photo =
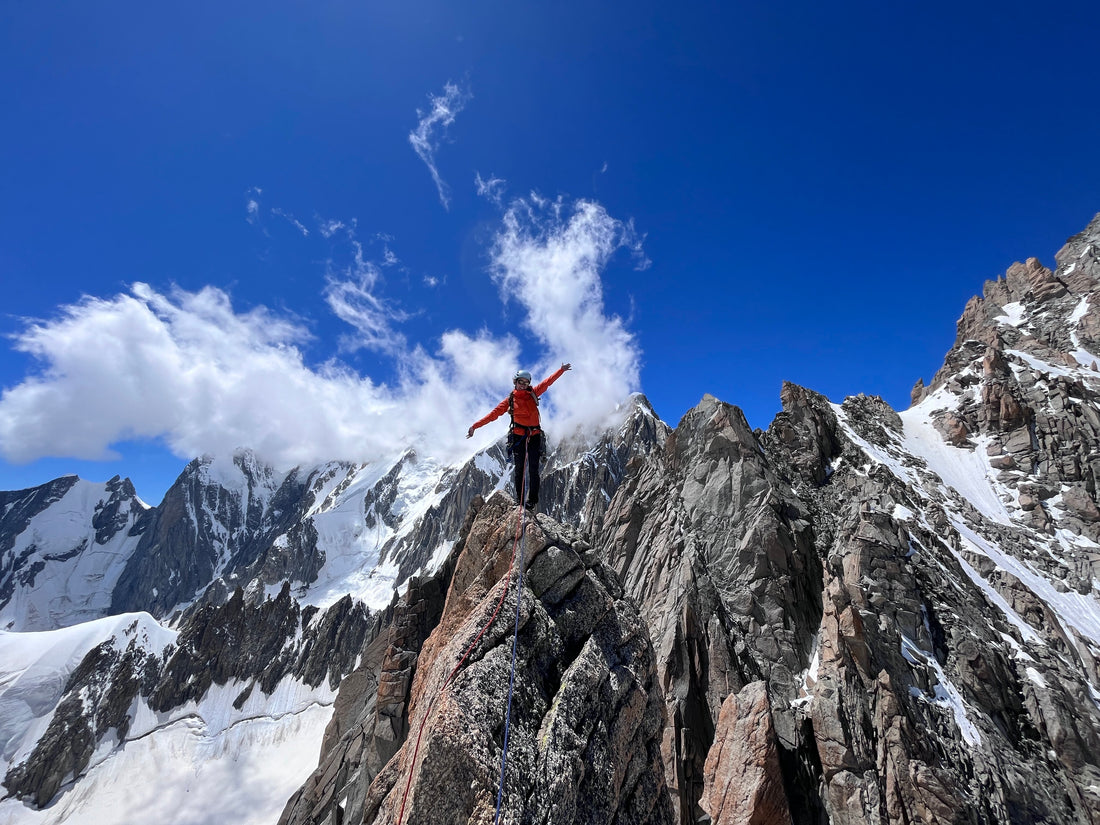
(525, 411)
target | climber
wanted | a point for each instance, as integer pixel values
(525, 435)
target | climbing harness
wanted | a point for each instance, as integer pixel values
(519, 542)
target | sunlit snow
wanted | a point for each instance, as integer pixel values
(1014, 314)
(967, 471)
(184, 775)
(204, 763)
(34, 668)
(1081, 612)
(78, 574)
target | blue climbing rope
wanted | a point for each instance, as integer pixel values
(520, 543)
(515, 640)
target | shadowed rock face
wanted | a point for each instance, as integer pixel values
(718, 554)
(584, 739)
(203, 534)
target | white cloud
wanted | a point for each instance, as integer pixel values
(297, 224)
(188, 368)
(351, 294)
(252, 206)
(492, 189)
(551, 262)
(424, 140)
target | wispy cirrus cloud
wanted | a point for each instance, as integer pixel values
(254, 213)
(252, 205)
(293, 221)
(329, 227)
(352, 295)
(431, 128)
(491, 189)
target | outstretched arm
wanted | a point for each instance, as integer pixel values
(543, 386)
(499, 410)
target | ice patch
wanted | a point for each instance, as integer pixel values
(902, 513)
(946, 695)
(1094, 694)
(1039, 365)
(809, 677)
(439, 556)
(1079, 312)
(1036, 677)
(488, 465)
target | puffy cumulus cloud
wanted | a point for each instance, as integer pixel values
(186, 368)
(425, 139)
(549, 257)
(482, 363)
(205, 378)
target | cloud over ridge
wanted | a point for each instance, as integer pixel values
(191, 370)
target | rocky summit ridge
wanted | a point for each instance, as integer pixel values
(858, 615)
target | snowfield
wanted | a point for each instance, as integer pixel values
(202, 763)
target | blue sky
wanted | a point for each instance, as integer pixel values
(325, 229)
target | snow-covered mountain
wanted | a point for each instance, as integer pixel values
(858, 615)
(63, 547)
(73, 551)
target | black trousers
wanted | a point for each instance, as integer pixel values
(526, 452)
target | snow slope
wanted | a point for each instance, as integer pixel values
(203, 762)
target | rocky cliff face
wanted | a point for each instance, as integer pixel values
(718, 553)
(214, 521)
(584, 737)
